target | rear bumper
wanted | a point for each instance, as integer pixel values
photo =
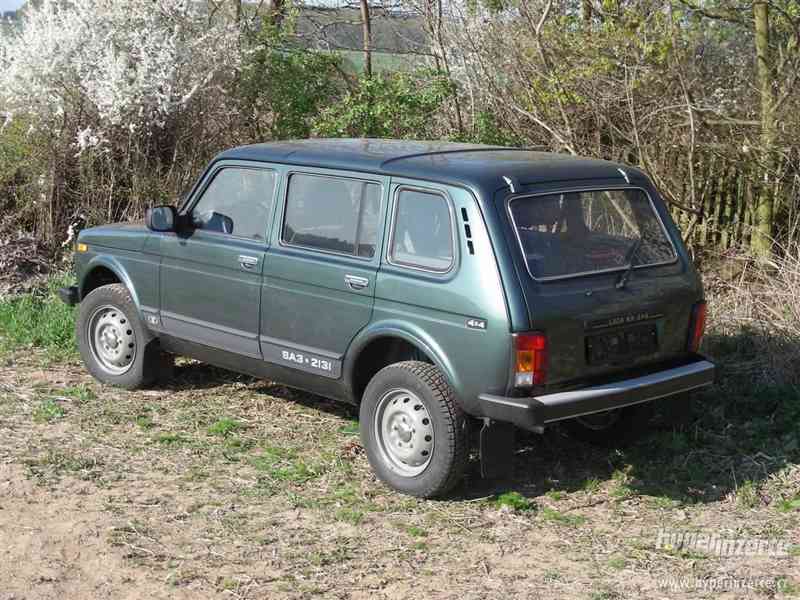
(69, 295)
(530, 413)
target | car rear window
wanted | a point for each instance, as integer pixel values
(567, 234)
(422, 237)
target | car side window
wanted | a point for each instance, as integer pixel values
(238, 201)
(423, 231)
(333, 214)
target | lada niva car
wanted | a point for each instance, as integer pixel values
(435, 285)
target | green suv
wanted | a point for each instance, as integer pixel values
(435, 285)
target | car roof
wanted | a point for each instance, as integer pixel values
(474, 165)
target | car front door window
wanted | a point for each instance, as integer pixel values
(238, 202)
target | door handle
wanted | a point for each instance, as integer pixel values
(354, 282)
(247, 262)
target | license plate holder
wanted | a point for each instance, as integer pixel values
(622, 345)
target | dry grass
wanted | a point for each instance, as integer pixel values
(222, 486)
(754, 320)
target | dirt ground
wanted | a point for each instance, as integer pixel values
(220, 486)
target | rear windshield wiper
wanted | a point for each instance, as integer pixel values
(630, 255)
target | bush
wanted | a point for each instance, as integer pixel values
(282, 90)
(398, 105)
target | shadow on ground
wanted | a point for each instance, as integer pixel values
(733, 434)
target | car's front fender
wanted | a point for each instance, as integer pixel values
(114, 265)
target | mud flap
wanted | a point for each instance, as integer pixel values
(497, 449)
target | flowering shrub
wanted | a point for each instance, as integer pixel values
(102, 65)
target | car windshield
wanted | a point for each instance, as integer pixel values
(579, 233)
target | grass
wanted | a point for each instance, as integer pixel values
(788, 587)
(514, 501)
(622, 489)
(415, 531)
(350, 515)
(82, 392)
(39, 319)
(381, 61)
(56, 463)
(350, 428)
(234, 474)
(171, 439)
(145, 422)
(747, 495)
(237, 471)
(278, 465)
(787, 506)
(47, 411)
(224, 427)
(617, 563)
(605, 593)
(591, 485)
(561, 518)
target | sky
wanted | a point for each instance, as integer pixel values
(10, 5)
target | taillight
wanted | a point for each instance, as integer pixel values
(697, 326)
(530, 359)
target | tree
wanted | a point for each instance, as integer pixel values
(764, 209)
(106, 76)
(775, 29)
(700, 93)
(366, 25)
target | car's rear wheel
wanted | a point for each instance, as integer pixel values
(613, 427)
(114, 344)
(414, 432)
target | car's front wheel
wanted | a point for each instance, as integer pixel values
(114, 344)
(415, 433)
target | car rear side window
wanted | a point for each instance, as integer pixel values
(238, 201)
(578, 233)
(422, 237)
(333, 214)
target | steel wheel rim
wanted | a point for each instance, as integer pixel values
(599, 421)
(112, 339)
(404, 431)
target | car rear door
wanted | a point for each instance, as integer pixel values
(210, 276)
(599, 316)
(319, 281)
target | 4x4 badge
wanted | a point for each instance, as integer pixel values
(477, 324)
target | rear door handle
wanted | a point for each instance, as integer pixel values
(354, 282)
(248, 262)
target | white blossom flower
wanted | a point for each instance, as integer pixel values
(130, 64)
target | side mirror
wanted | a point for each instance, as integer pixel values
(162, 218)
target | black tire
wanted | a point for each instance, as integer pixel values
(449, 449)
(625, 426)
(146, 360)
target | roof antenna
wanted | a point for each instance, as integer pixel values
(510, 182)
(624, 174)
